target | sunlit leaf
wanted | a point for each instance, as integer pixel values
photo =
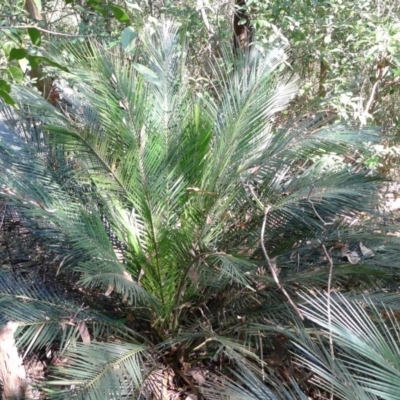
(17, 54)
(119, 13)
(16, 73)
(7, 98)
(5, 86)
(34, 61)
(128, 38)
(35, 36)
(148, 74)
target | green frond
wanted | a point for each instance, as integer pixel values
(98, 370)
(247, 385)
(368, 361)
(228, 270)
(48, 315)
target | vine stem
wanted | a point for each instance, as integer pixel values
(329, 306)
(273, 269)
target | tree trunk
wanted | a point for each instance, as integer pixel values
(242, 30)
(12, 372)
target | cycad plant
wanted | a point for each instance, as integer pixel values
(364, 334)
(164, 220)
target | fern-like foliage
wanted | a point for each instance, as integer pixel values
(365, 362)
(146, 198)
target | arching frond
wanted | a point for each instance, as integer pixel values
(366, 363)
(98, 370)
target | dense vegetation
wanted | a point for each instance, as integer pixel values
(198, 200)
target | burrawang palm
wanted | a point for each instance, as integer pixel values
(142, 198)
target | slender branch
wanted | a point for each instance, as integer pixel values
(329, 310)
(209, 28)
(272, 268)
(316, 213)
(202, 344)
(313, 207)
(380, 75)
(329, 289)
(3, 209)
(59, 19)
(261, 356)
(371, 98)
(44, 30)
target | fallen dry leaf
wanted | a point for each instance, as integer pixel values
(109, 290)
(351, 256)
(365, 251)
(83, 330)
(197, 375)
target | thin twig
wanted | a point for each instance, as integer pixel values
(381, 74)
(261, 357)
(200, 6)
(329, 310)
(371, 98)
(45, 30)
(4, 214)
(202, 344)
(272, 268)
(315, 211)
